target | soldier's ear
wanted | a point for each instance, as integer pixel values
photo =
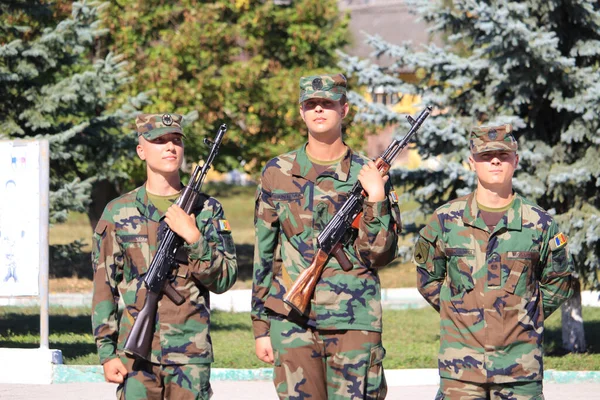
(471, 162)
(140, 152)
(302, 113)
(345, 108)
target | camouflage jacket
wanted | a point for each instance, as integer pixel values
(293, 205)
(493, 290)
(124, 242)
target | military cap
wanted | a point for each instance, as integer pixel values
(331, 87)
(492, 138)
(152, 126)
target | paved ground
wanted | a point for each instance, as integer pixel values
(228, 390)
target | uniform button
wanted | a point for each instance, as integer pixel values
(494, 257)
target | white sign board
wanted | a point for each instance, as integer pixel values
(23, 241)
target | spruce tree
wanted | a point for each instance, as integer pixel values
(55, 87)
(532, 63)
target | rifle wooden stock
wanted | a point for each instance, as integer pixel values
(299, 296)
(139, 341)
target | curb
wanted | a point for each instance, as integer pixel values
(554, 376)
(395, 377)
(93, 373)
(240, 300)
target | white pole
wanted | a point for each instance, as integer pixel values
(44, 258)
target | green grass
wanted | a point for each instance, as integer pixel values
(77, 227)
(411, 338)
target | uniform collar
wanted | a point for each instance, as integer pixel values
(514, 219)
(303, 167)
(144, 206)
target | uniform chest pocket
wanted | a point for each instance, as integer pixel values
(460, 269)
(289, 209)
(518, 271)
(136, 249)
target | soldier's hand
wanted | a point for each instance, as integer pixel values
(182, 224)
(114, 371)
(372, 182)
(264, 350)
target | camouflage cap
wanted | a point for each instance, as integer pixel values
(152, 126)
(492, 138)
(322, 87)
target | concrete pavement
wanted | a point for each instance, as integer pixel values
(260, 390)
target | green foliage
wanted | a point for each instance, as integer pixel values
(69, 260)
(24, 19)
(235, 62)
(531, 63)
(410, 337)
(54, 88)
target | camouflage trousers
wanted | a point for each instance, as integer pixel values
(145, 380)
(452, 389)
(318, 365)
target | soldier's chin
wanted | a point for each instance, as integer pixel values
(494, 184)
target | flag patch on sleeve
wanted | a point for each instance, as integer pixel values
(558, 241)
(224, 226)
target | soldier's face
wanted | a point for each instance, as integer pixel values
(323, 115)
(495, 168)
(163, 154)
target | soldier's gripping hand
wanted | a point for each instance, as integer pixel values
(114, 371)
(264, 350)
(182, 224)
(372, 182)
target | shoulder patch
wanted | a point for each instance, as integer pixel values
(223, 225)
(421, 251)
(224, 232)
(558, 241)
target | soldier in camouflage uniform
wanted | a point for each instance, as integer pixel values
(495, 266)
(335, 352)
(124, 242)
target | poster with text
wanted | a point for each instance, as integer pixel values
(20, 218)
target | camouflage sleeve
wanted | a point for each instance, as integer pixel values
(266, 227)
(107, 262)
(212, 259)
(431, 262)
(556, 269)
(377, 241)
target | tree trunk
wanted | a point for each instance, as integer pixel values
(102, 192)
(573, 335)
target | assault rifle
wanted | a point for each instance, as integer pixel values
(157, 279)
(335, 234)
